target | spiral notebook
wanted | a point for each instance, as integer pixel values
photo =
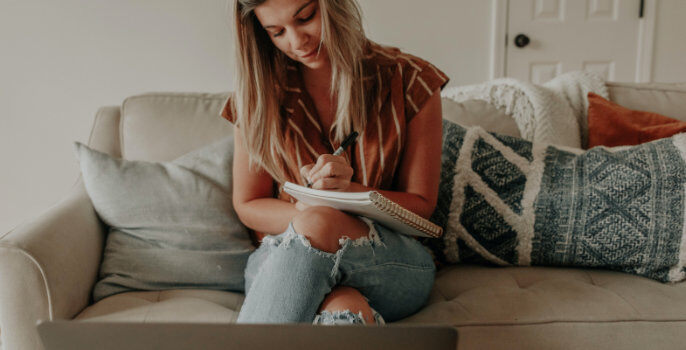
(370, 204)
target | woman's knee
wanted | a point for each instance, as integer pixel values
(324, 226)
(344, 298)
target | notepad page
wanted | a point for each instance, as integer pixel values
(353, 196)
(360, 204)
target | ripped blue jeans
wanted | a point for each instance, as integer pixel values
(286, 279)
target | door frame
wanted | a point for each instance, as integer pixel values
(644, 56)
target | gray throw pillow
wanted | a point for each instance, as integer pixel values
(506, 201)
(172, 225)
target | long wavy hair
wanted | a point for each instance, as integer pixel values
(260, 77)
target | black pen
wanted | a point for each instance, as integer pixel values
(347, 142)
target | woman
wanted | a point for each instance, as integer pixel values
(306, 78)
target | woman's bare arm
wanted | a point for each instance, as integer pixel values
(417, 179)
(253, 195)
(418, 173)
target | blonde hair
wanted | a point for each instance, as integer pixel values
(260, 78)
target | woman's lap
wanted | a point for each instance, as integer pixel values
(393, 271)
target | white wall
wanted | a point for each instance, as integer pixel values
(453, 35)
(61, 60)
(669, 57)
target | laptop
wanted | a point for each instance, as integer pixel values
(82, 335)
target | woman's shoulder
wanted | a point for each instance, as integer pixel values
(417, 78)
(396, 61)
(384, 55)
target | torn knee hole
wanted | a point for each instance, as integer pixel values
(358, 242)
(339, 317)
(372, 236)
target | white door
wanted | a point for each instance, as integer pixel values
(550, 37)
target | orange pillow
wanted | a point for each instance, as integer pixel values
(610, 124)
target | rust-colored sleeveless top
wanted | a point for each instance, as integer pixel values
(402, 82)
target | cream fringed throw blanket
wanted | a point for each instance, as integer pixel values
(552, 113)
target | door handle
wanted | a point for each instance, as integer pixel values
(521, 40)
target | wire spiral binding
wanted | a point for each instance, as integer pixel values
(405, 216)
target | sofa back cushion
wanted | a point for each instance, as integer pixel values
(660, 98)
(479, 113)
(164, 126)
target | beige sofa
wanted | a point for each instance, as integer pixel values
(48, 266)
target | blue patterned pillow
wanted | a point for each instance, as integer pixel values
(506, 201)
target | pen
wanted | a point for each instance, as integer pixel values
(347, 142)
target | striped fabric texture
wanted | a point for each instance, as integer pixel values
(397, 85)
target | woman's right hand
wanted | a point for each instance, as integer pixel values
(330, 172)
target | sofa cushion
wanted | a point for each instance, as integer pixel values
(504, 308)
(174, 305)
(560, 308)
(511, 202)
(665, 99)
(479, 113)
(172, 225)
(163, 126)
(517, 295)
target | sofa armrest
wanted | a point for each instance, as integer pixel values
(48, 267)
(104, 135)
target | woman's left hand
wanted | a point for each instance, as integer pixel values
(331, 173)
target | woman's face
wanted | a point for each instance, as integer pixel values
(295, 28)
